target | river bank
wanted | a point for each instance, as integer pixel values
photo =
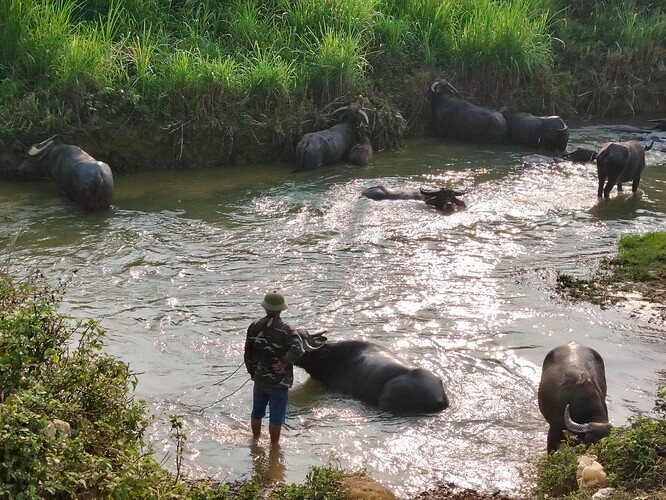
(150, 85)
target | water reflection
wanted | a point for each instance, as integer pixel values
(269, 465)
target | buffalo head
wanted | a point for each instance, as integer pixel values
(589, 432)
(443, 199)
(353, 112)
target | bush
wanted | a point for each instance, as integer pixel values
(50, 371)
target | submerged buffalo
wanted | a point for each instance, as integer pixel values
(548, 133)
(333, 144)
(372, 374)
(78, 175)
(456, 118)
(443, 198)
(572, 394)
(581, 155)
(619, 162)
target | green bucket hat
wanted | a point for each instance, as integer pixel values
(274, 301)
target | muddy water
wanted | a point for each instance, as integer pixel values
(177, 269)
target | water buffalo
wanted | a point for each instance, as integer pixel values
(333, 144)
(581, 155)
(573, 387)
(361, 152)
(372, 374)
(620, 162)
(443, 198)
(78, 175)
(548, 133)
(459, 119)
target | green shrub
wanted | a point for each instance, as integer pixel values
(51, 370)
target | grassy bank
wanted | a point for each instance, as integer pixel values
(255, 75)
(639, 266)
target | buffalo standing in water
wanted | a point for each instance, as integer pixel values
(443, 199)
(456, 118)
(332, 145)
(372, 374)
(548, 133)
(573, 386)
(78, 175)
(620, 162)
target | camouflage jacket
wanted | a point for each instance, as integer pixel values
(268, 341)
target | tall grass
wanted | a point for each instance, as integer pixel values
(320, 50)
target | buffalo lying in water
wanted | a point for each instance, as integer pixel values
(548, 133)
(78, 175)
(459, 119)
(580, 154)
(372, 374)
(443, 198)
(572, 394)
(619, 162)
(333, 144)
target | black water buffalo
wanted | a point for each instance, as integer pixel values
(619, 162)
(361, 152)
(581, 155)
(372, 374)
(78, 175)
(333, 144)
(443, 198)
(572, 394)
(548, 133)
(459, 119)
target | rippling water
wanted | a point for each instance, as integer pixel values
(177, 269)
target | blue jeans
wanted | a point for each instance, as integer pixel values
(275, 399)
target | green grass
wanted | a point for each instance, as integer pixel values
(160, 60)
(641, 257)
(639, 265)
(281, 50)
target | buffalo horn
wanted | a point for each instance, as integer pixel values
(649, 147)
(459, 193)
(437, 83)
(41, 146)
(574, 426)
(309, 347)
(428, 193)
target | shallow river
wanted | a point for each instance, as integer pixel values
(177, 269)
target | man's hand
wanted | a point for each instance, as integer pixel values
(279, 367)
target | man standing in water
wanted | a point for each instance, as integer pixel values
(271, 349)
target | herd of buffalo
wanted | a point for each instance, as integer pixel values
(89, 182)
(572, 390)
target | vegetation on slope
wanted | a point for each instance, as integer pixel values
(639, 266)
(272, 69)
